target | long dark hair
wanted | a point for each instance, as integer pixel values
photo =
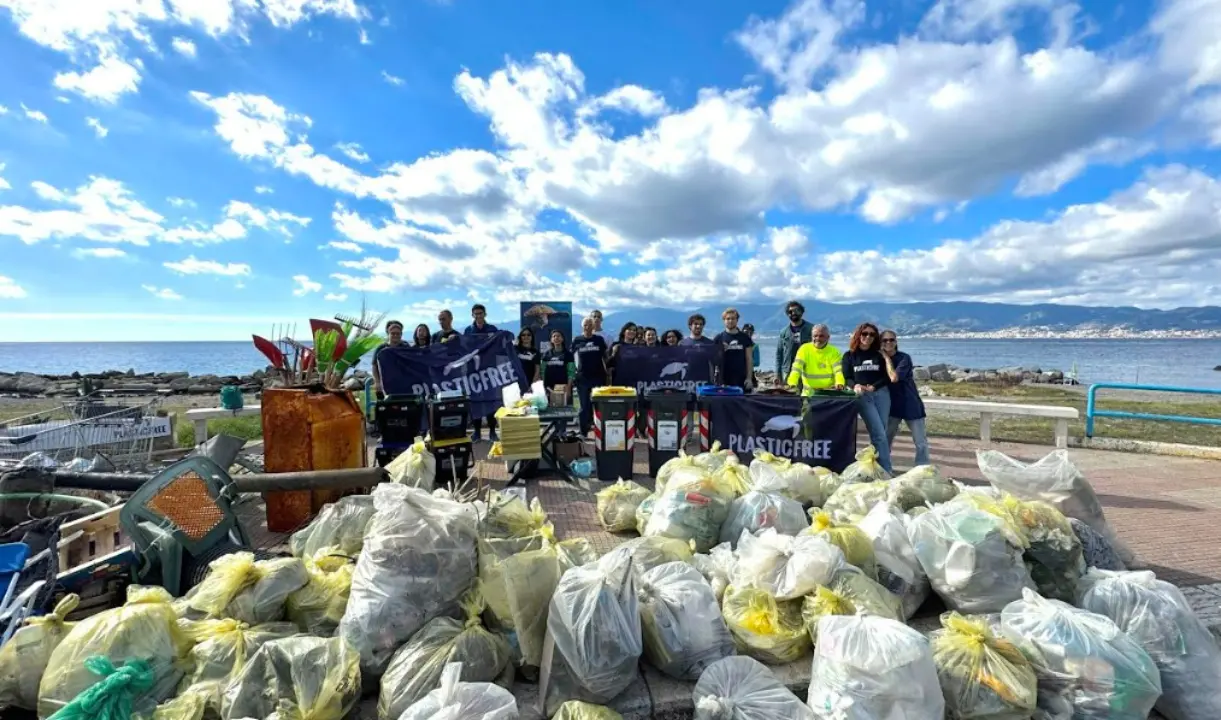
(624, 329)
(415, 336)
(855, 343)
(678, 337)
(523, 332)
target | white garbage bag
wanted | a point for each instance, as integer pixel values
(1055, 480)
(872, 668)
(418, 560)
(456, 700)
(1156, 615)
(717, 567)
(797, 481)
(1084, 658)
(681, 623)
(899, 569)
(594, 623)
(339, 528)
(972, 560)
(742, 688)
(787, 567)
(757, 511)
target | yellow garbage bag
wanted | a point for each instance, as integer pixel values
(1051, 549)
(712, 460)
(296, 678)
(416, 668)
(856, 545)
(222, 649)
(850, 592)
(851, 502)
(415, 467)
(732, 477)
(617, 505)
(189, 705)
(508, 517)
(671, 466)
(144, 628)
(982, 675)
(23, 659)
(577, 710)
(318, 607)
(245, 589)
(767, 629)
(865, 469)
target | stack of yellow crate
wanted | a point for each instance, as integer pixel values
(519, 437)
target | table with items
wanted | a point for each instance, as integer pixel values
(553, 424)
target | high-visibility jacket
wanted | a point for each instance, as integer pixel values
(817, 369)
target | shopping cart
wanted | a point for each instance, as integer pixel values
(85, 435)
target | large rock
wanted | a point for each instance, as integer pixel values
(202, 390)
(171, 376)
(31, 384)
(8, 383)
(181, 384)
(921, 374)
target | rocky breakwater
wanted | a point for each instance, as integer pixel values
(129, 382)
(1010, 375)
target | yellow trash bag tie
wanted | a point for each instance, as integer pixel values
(733, 478)
(1008, 510)
(856, 545)
(779, 463)
(977, 669)
(768, 630)
(823, 602)
(228, 576)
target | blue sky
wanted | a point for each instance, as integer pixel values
(182, 170)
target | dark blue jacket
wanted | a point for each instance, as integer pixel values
(905, 402)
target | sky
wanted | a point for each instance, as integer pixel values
(201, 169)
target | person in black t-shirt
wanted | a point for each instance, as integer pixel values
(696, 324)
(868, 372)
(555, 362)
(590, 352)
(627, 336)
(737, 367)
(447, 331)
(528, 353)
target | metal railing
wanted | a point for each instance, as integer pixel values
(1091, 410)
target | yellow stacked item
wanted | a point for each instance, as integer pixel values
(519, 436)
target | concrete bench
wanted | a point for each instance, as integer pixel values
(201, 416)
(987, 409)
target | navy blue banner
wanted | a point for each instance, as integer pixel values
(815, 431)
(476, 365)
(681, 367)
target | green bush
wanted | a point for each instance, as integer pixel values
(247, 427)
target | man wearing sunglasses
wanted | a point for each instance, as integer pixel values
(794, 335)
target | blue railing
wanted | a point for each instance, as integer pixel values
(1092, 412)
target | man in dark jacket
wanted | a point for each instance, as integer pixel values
(792, 337)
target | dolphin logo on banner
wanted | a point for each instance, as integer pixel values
(675, 368)
(783, 423)
(462, 361)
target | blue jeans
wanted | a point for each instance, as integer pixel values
(874, 408)
(919, 436)
(584, 389)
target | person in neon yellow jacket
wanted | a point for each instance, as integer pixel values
(817, 365)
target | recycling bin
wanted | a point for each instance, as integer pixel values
(399, 418)
(667, 412)
(614, 432)
(454, 460)
(705, 396)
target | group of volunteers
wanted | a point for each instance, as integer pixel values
(873, 367)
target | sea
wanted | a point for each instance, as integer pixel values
(1177, 362)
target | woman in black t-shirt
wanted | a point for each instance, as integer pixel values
(555, 361)
(528, 353)
(627, 336)
(869, 373)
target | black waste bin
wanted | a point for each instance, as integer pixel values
(614, 432)
(399, 418)
(666, 416)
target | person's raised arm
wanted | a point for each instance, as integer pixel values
(903, 368)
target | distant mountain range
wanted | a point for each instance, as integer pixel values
(942, 318)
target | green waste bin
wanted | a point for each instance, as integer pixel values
(614, 432)
(667, 414)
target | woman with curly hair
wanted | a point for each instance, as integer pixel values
(869, 372)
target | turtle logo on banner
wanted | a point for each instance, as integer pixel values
(674, 368)
(824, 435)
(782, 424)
(665, 367)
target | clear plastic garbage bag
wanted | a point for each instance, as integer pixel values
(456, 700)
(983, 677)
(850, 592)
(415, 670)
(1157, 616)
(507, 516)
(855, 544)
(899, 569)
(669, 467)
(1084, 658)
(414, 467)
(717, 567)
(786, 567)
(594, 622)
(145, 627)
(970, 558)
(339, 528)
(647, 553)
(763, 627)
(865, 469)
(251, 591)
(418, 560)
(296, 678)
(577, 710)
(796, 481)
(617, 505)
(732, 477)
(742, 688)
(715, 457)
(680, 621)
(645, 511)
(222, 649)
(1096, 549)
(23, 659)
(1055, 480)
(852, 501)
(691, 509)
(866, 668)
(757, 511)
(922, 485)
(318, 607)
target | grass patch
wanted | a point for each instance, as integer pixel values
(246, 427)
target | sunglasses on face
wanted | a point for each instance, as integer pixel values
(868, 334)
(889, 340)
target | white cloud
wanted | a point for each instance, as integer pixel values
(263, 190)
(194, 266)
(305, 286)
(180, 202)
(345, 245)
(4, 183)
(353, 151)
(265, 218)
(10, 290)
(364, 37)
(184, 46)
(35, 115)
(104, 253)
(3, 110)
(336, 297)
(106, 82)
(98, 128)
(393, 79)
(162, 293)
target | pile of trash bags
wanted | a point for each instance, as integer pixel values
(438, 608)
